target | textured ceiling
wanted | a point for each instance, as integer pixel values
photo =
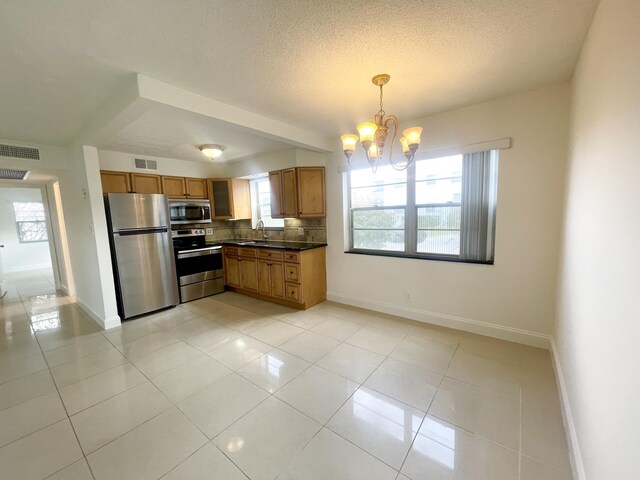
(306, 62)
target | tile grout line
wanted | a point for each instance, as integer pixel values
(65, 410)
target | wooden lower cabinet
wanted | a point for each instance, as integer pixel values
(271, 278)
(293, 278)
(232, 271)
(249, 273)
(241, 268)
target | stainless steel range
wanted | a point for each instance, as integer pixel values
(198, 265)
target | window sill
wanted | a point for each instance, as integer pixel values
(415, 256)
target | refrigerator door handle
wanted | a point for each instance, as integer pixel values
(141, 231)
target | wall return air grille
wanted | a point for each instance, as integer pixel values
(14, 151)
(143, 164)
(10, 174)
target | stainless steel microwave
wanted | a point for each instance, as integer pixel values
(189, 211)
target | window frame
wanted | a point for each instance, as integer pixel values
(410, 224)
(42, 222)
(256, 215)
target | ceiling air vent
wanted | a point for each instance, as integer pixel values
(9, 174)
(143, 164)
(19, 152)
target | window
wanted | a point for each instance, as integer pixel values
(30, 221)
(378, 209)
(441, 208)
(261, 204)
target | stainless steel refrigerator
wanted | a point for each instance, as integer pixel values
(141, 252)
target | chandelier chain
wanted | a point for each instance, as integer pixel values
(381, 112)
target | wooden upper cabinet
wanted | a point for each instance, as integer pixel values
(145, 183)
(230, 198)
(174, 187)
(311, 191)
(289, 193)
(298, 192)
(115, 182)
(196, 188)
(275, 184)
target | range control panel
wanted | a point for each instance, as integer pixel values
(189, 232)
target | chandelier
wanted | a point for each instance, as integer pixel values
(373, 136)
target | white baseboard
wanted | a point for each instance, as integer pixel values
(525, 337)
(567, 417)
(104, 323)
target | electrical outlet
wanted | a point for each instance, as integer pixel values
(300, 231)
(407, 296)
(209, 231)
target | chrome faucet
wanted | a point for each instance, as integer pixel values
(261, 225)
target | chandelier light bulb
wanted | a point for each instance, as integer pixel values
(413, 135)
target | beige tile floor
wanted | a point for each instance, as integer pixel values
(230, 387)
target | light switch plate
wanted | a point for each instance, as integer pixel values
(300, 231)
(209, 231)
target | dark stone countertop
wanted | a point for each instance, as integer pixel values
(281, 245)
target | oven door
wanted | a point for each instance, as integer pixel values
(182, 212)
(199, 265)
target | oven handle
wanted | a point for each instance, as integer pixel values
(200, 252)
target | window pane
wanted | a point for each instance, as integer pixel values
(439, 180)
(385, 174)
(261, 204)
(28, 211)
(446, 242)
(379, 196)
(379, 218)
(443, 167)
(438, 191)
(440, 217)
(32, 231)
(392, 240)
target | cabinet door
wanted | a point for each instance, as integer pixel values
(145, 183)
(232, 271)
(240, 199)
(277, 280)
(264, 277)
(115, 182)
(196, 187)
(249, 273)
(275, 184)
(289, 193)
(311, 192)
(220, 197)
(174, 187)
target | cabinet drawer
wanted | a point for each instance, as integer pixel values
(292, 257)
(294, 292)
(292, 273)
(247, 252)
(231, 251)
(273, 255)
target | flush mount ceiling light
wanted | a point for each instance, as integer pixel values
(373, 135)
(212, 151)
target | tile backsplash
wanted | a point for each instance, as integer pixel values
(315, 230)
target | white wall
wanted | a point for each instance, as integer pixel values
(515, 297)
(16, 256)
(86, 230)
(598, 325)
(123, 162)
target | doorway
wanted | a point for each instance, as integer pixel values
(26, 251)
